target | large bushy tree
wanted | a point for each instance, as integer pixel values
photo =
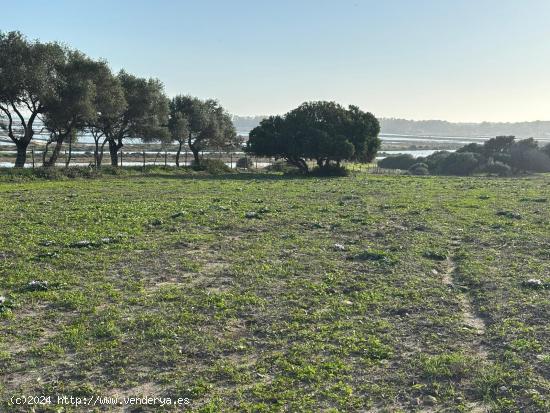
(28, 78)
(525, 155)
(459, 163)
(144, 116)
(323, 131)
(179, 129)
(73, 105)
(110, 104)
(202, 124)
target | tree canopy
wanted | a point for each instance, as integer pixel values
(73, 105)
(145, 116)
(69, 92)
(29, 74)
(323, 131)
(203, 124)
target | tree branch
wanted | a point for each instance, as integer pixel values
(10, 124)
(21, 118)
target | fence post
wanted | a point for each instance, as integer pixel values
(121, 157)
(32, 152)
(231, 157)
(143, 154)
(165, 159)
(186, 157)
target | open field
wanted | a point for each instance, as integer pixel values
(257, 292)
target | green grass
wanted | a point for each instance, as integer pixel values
(230, 291)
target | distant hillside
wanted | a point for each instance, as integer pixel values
(537, 129)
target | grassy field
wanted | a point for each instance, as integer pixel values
(263, 293)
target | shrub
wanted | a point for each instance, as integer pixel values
(529, 159)
(80, 172)
(459, 163)
(245, 163)
(404, 161)
(434, 160)
(330, 170)
(112, 170)
(419, 169)
(51, 173)
(472, 147)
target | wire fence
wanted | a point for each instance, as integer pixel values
(81, 154)
(133, 157)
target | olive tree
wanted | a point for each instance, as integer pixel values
(144, 117)
(72, 107)
(202, 123)
(28, 77)
(179, 127)
(110, 104)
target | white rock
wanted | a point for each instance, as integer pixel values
(533, 282)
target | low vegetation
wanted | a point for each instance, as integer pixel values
(257, 292)
(500, 156)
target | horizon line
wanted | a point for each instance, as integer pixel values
(416, 120)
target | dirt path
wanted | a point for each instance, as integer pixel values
(469, 315)
(471, 319)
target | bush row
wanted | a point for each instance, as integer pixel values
(502, 156)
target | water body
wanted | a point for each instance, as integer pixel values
(415, 153)
(400, 139)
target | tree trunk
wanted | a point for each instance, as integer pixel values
(55, 154)
(178, 154)
(194, 149)
(96, 153)
(23, 142)
(45, 152)
(196, 156)
(70, 152)
(100, 155)
(21, 154)
(113, 150)
(299, 163)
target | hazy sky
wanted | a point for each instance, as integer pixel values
(459, 60)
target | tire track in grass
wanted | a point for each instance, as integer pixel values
(470, 318)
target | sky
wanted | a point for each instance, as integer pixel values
(457, 60)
